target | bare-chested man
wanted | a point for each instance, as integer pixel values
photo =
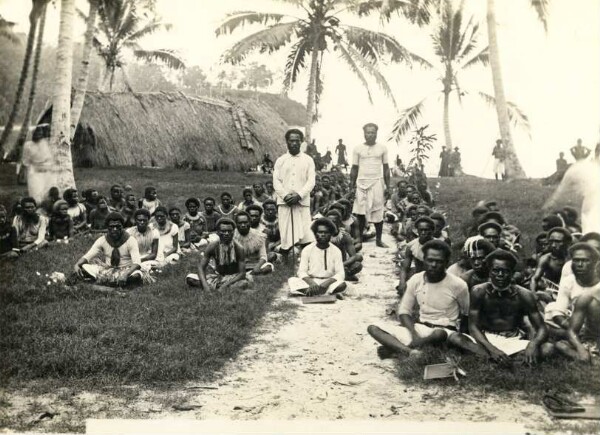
(498, 309)
(414, 251)
(479, 272)
(549, 268)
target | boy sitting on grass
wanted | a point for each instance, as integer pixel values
(98, 216)
(222, 264)
(60, 226)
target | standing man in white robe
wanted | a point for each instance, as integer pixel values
(370, 176)
(293, 180)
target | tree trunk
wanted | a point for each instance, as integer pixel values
(84, 71)
(513, 166)
(312, 89)
(447, 134)
(61, 99)
(33, 20)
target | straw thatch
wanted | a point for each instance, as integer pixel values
(174, 130)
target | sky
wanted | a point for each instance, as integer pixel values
(553, 76)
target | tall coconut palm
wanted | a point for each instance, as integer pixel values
(456, 46)
(122, 24)
(513, 166)
(34, 16)
(317, 31)
(80, 86)
(60, 139)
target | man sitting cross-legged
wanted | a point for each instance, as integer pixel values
(352, 260)
(498, 309)
(439, 298)
(114, 259)
(253, 244)
(222, 264)
(321, 267)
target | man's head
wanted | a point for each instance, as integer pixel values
(255, 212)
(269, 187)
(175, 215)
(209, 204)
(247, 194)
(192, 205)
(326, 181)
(29, 206)
(422, 210)
(270, 209)
(130, 200)
(478, 212)
(491, 205)
(340, 141)
(414, 197)
(499, 142)
(102, 203)
(559, 240)
(71, 196)
(490, 231)
(541, 242)
(592, 239)
(226, 199)
(160, 215)
(561, 155)
(141, 218)
(347, 207)
(225, 229)
(436, 256)
(115, 224)
(294, 138)
(116, 192)
(493, 216)
(370, 132)
(61, 208)
(584, 261)
(440, 222)
(336, 217)
(259, 189)
(401, 188)
(501, 265)
(323, 229)
(579, 142)
(150, 193)
(425, 227)
(242, 222)
(551, 221)
(478, 251)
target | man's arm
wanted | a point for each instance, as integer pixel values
(386, 178)
(561, 306)
(577, 320)
(496, 354)
(350, 250)
(204, 259)
(136, 261)
(405, 310)
(241, 259)
(539, 271)
(280, 190)
(405, 268)
(353, 176)
(536, 320)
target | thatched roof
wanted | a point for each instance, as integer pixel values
(172, 129)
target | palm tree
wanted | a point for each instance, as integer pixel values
(317, 31)
(34, 15)
(60, 139)
(121, 25)
(455, 43)
(514, 167)
(84, 69)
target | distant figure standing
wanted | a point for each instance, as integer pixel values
(267, 164)
(579, 152)
(311, 149)
(444, 161)
(499, 154)
(340, 150)
(326, 159)
(561, 165)
(370, 177)
(454, 167)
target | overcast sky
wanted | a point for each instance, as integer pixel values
(554, 77)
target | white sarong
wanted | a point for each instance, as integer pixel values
(302, 222)
(369, 200)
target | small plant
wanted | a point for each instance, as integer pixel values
(422, 146)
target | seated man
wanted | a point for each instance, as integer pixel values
(114, 259)
(255, 212)
(147, 238)
(60, 225)
(222, 265)
(117, 200)
(270, 190)
(76, 210)
(184, 228)
(253, 244)
(259, 192)
(549, 269)
(350, 223)
(479, 272)
(437, 299)
(321, 269)
(352, 260)
(583, 279)
(270, 226)
(131, 205)
(9, 246)
(98, 216)
(30, 226)
(211, 217)
(498, 309)
(440, 232)
(491, 231)
(249, 199)
(226, 208)
(412, 260)
(198, 233)
(168, 244)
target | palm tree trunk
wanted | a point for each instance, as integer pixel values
(513, 166)
(33, 20)
(312, 89)
(84, 71)
(61, 100)
(32, 90)
(447, 134)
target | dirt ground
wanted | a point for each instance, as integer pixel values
(317, 363)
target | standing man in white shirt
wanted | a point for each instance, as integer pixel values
(370, 177)
(293, 180)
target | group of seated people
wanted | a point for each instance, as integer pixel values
(492, 302)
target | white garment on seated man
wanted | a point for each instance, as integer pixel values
(165, 244)
(320, 265)
(145, 241)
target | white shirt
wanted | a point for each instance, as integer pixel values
(294, 174)
(441, 303)
(165, 241)
(370, 160)
(568, 293)
(144, 240)
(321, 263)
(129, 252)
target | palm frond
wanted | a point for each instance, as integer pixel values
(481, 58)
(373, 45)
(241, 18)
(541, 8)
(407, 121)
(266, 40)
(295, 62)
(148, 29)
(515, 114)
(168, 57)
(416, 11)
(373, 71)
(346, 57)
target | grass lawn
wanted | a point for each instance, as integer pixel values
(159, 333)
(521, 203)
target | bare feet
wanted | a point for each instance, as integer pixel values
(380, 244)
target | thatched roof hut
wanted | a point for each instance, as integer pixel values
(173, 130)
